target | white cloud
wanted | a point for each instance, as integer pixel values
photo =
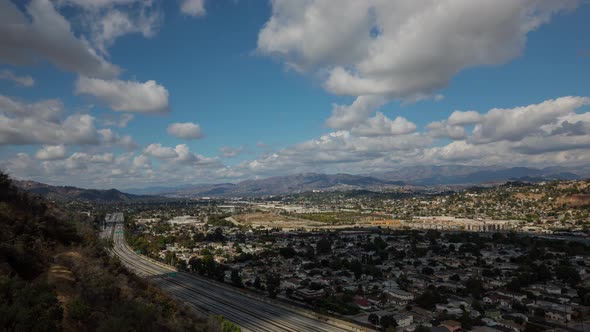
(48, 35)
(141, 161)
(193, 7)
(445, 129)
(334, 150)
(51, 152)
(380, 125)
(560, 135)
(464, 118)
(109, 137)
(104, 21)
(106, 27)
(26, 81)
(159, 151)
(40, 123)
(96, 4)
(399, 49)
(126, 96)
(186, 130)
(346, 116)
(121, 121)
(516, 123)
(180, 154)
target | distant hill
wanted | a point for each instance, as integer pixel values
(416, 178)
(66, 193)
(470, 175)
(280, 185)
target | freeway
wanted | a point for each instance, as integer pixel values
(249, 312)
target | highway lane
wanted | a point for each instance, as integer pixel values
(252, 314)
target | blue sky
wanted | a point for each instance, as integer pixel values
(265, 88)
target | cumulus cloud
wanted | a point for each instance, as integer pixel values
(107, 170)
(559, 135)
(380, 125)
(26, 81)
(104, 21)
(193, 7)
(126, 96)
(394, 49)
(121, 121)
(48, 35)
(445, 129)
(105, 27)
(398, 49)
(159, 151)
(51, 152)
(141, 161)
(41, 123)
(180, 154)
(346, 116)
(185, 130)
(464, 118)
(109, 137)
(516, 123)
(96, 4)
(340, 148)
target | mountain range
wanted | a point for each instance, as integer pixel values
(407, 179)
(67, 193)
(470, 175)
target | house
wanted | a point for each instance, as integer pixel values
(362, 303)
(510, 325)
(291, 283)
(451, 325)
(558, 316)
(306, 294)
(485, 329)
(512, 295)
(399, 296)
(404, 320)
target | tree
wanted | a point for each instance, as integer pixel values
(78, 309)
(388, 321)
(273, 281)
(422, 328)
(28, 306)
(257, 283)
(323, 246)
(475, 287)
(236, 279)
(429, 299)
(568, 274)
(287, 252)
(379, 243)
(373, 319)
(357, 268)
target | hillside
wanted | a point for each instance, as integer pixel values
(280, 185)
(412, 178)
(55, 275)
(470, 175)
(67, 193)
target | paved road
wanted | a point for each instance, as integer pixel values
(250, 313)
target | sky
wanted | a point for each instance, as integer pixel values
(140, 93)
